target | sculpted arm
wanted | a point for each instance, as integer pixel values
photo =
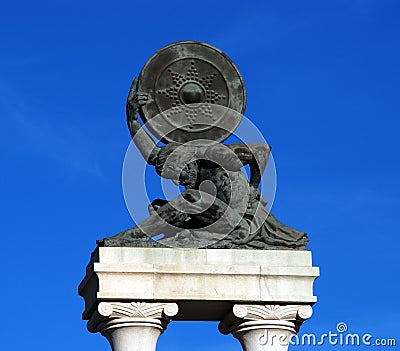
(142, 140)
(256, 156)
(260, 153)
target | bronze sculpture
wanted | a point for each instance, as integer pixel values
(219, 207)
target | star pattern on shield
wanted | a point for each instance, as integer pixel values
(192, 75)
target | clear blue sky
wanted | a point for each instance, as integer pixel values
(323, 83)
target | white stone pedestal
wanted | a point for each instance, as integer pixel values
(131, 294)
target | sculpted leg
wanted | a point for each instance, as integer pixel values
(200, 210)
(214, 215)
(165, 220)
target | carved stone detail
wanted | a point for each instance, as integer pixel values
(264, 327)
(130, 326)
(109, 311)
(281, 312)
(138, 309)
(240, 313)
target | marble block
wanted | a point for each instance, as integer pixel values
(204, 283)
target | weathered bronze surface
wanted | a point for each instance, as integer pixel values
(219, 206)
(184, 75)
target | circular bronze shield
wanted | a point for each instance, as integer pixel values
(184, 82)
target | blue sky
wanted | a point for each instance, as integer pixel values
(323, 84)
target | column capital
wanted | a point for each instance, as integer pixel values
(132, 326)
(114, 313)
(264, 327)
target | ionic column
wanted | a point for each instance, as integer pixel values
(133, 326)
(264, 327)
